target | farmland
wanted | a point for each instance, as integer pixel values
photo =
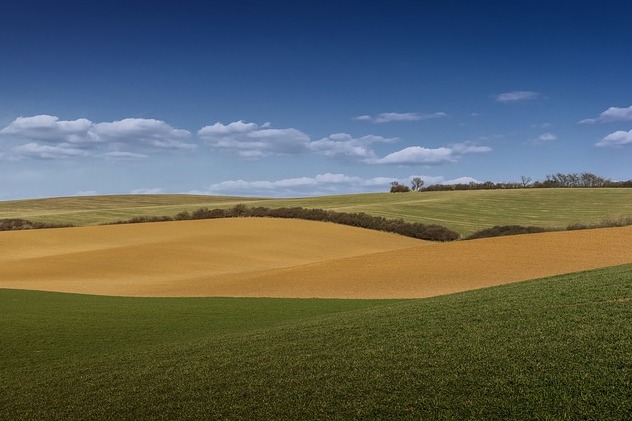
(287, 319)
(556, 348)
(288, 258)
(462, 211)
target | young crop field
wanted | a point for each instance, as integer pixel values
(462, 211)
(556, 348)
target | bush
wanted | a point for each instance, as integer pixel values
(14, 224)
(499, 231)
(399, 188)
(143, 219)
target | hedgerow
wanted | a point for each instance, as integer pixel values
(360, 220)
(498, 231)
(15, 224)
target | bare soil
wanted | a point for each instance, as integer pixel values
(253, 257)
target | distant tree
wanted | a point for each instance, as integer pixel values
(399, 188)
(417, 183)
(525, 180)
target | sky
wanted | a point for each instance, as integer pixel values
(301, 98)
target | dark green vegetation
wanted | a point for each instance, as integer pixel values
(359, 220)
(14, 224)
(557, 348)
(462, 211)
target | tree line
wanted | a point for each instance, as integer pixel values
(557, 180)
(417, 230)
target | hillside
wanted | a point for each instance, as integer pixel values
(255, 257)
(462, 211)
(556, 348)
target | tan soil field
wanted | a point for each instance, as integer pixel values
(256, 257)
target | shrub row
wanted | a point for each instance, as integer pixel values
(609, 223)
(15, 224)
(499, 231)
(360, 220)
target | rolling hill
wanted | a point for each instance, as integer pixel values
(264, 257)
(462, 211)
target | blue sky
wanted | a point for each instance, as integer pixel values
(280, 98)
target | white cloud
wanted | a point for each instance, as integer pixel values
(343, 145)
(37, 151)
(219, 129)
(418, 155)
(86, 193)
(391, 117)
(149, 132)
(610, 115)
(618, 138)
(545, 137)
(250, 140)
(516, 96)
(75, 138)
(49, 128)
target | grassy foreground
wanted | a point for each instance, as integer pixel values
(461, 211)
(557, 348)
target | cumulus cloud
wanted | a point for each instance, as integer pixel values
(391, 117)
(418, 155)
(51, 129)
(618, 138)
(343, 145)
(49, 137)
(249, 140)
(516, 96)
(219, 129)
(149, 132)
(612, 114)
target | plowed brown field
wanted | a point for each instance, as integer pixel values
(288, 258)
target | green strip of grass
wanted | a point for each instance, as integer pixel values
(558, 348)
(462, 211)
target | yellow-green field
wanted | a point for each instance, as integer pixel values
(462, 211)
(263, 257)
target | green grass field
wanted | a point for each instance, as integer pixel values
(461, 211)
(557, 348)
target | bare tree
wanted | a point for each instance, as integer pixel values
(525, 180)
